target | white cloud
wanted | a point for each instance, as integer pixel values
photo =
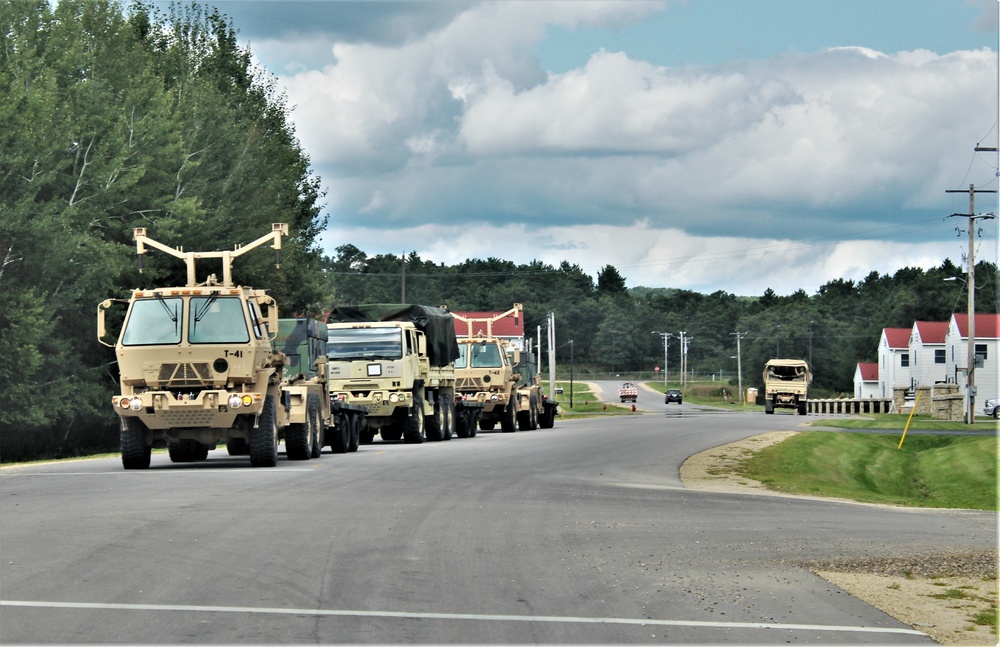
(682, 174)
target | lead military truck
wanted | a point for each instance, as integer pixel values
(197, 368)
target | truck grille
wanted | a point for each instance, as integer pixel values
(181, 419)
(185, 375)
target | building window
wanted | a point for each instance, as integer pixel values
(980, 355)
(904, 359)
(939, 356)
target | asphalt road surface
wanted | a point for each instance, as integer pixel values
(581, 534)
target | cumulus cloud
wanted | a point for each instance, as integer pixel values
(458, 123)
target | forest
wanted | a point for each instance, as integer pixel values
(116, 117)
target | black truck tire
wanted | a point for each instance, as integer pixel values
(264, 437)
(135, 452)
(509, 419)
(413, 428)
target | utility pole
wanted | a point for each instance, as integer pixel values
(739, 363)
(970, 370)
(683, 367)
(552, 355)
(666, 360)
(402, 296)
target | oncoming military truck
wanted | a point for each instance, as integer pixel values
(534, 409)
(197, 367)
(485, 372)
(397, 360)
(786, 385)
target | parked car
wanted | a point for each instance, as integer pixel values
(992, 407)
(673, 395)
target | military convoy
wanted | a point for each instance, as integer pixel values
(786, 385)
(210, 363)
(197, 368)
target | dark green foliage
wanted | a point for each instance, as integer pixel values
(112, 119)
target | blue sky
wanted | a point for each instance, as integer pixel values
(732, 145)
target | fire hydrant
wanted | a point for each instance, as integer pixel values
(633, 408)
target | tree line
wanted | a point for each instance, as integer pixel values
(115, 117)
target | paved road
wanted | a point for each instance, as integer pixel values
(578, 534)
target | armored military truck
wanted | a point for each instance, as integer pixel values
(197, 366)
(534, 409)
(786, 385)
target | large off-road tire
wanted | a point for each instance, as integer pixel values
(237, 447)
(434, 423)
(264, 437)
(318, 439)
(135, 452)
(523, 420)
(393, 431)
(802, 407)
(768, 405)
(367, 435)
(413, 428)
(449, 418)
(298, 440)
(464, 423)
(184, 451)
(340, 434)
(509, 417)
(355, 441)
(548, 417)
(487, 425)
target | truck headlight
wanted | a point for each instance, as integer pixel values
(234, 401)
(136, 404)
(125, 403)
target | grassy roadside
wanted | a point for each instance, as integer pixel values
(928, 471)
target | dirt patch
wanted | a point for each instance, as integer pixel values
(952, 598)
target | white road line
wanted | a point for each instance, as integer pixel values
(458, 616)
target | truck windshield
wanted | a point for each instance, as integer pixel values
(364, 343)
(463, 352)
(153, 321)
(215, 320)
(486, 356)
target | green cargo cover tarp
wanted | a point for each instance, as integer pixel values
(437, 324)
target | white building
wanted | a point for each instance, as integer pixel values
(928, 359)
(987, 347)
(866, 380)
(893, 360)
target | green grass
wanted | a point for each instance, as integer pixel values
(929, 471)
(898, 421)
(585, 403)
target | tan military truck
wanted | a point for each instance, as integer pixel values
(398, 361)
(197, 367)
(485, 371)
(534, 409)
(325, 419)
(786, 385)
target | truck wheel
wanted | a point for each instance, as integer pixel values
(487, 425)
(413, 429)
(768, 405)
(237, 447)
(507, 425)
(298, 440)
(802, 407)
(463, 423)
(434, 423)
(523, 420)
(341, 436)
(319, 428)
(201, 451)
(355, 441)
(449, 419)
(367, 436)
(135, 452)
(184, 451)
(264, 437)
